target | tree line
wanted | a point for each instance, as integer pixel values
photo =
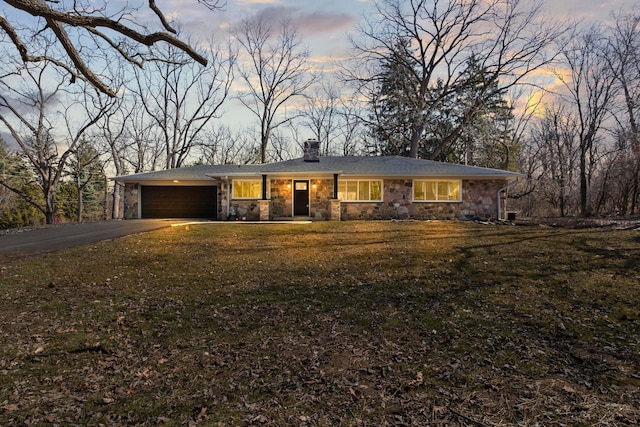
(485, 83)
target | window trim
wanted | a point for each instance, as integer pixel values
(437, 181)
(236, 181)
(358, 181)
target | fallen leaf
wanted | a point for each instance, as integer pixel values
(439, 410)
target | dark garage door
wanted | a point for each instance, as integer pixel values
(179, 202)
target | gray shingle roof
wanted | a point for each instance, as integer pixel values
(382, 166)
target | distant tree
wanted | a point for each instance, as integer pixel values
(396, 110)
(591, 87)
(15, 211)
(624, 170)
(276, 72)
(556, 136)
(28, 109)
(508, 39)
(86, 173)
(181, 98)
(82, 30)
(223, 146)
(321, 116)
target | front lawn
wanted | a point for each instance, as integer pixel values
(336, 323)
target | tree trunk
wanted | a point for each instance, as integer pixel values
(585, 209)
(115, 209)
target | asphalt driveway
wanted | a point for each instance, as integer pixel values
(71, 235)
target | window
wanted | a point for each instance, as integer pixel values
(360, 190)
(247, 189)
(436, 191)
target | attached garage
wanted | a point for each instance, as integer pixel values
(179, 201)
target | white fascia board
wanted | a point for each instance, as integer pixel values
(181, 182)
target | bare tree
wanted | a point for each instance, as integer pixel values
(557, 138)
(624, 61)
(27, 111)
(222, 146)
(105, 30)
(435, 40)
(320, 115)
(590, 83)
(112, 135)
(275, 72)
(181, 98)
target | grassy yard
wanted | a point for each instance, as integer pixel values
(350, 323)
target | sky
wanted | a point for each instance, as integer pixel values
(324, 25)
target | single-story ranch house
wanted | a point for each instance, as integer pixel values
(323, 188)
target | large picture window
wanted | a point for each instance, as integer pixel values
(360, 190)
(436, 190)
(247, 189)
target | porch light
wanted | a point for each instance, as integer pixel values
(176, 181)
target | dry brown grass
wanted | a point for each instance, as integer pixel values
(354, 323)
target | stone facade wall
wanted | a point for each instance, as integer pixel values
(245, 210)
(320, 198)
(130, 201)
(281, 198)
(320, 193)
(479, 198)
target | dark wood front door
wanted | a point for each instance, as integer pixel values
(301, 198)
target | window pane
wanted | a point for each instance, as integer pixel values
(254, 192)
(247, 189)
(443, 190)
(430, 190)
(376, 190)
(363, 190)
(419, 190)
(352, 190)
(454, 190)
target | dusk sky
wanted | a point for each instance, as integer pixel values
(324, 26)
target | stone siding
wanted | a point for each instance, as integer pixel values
(320, 198)
(245, 210)
(320, 193)
(281, 198)
(479, 198)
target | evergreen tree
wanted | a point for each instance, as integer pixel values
(396, 108)
(88, 179)
(17, 211)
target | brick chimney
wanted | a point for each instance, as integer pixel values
(311, 150)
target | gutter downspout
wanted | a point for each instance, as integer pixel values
(499, 192)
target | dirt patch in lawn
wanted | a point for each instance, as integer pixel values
(354, 323)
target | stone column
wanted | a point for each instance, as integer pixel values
(335, 210)
(264, 210)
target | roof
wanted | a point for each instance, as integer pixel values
(345, 166)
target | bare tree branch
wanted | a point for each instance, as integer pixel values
(77, 18)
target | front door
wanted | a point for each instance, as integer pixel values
(300, 198)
